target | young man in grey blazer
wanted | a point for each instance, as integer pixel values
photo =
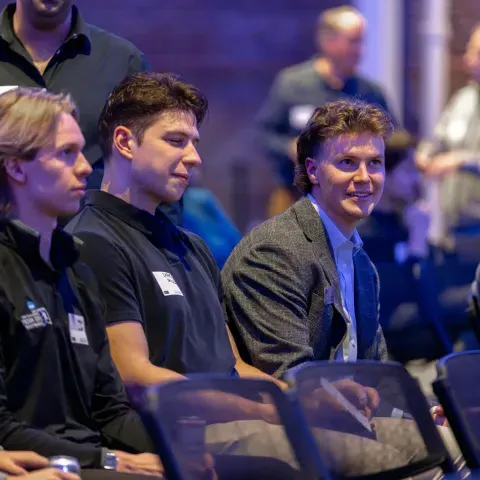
(300, 287)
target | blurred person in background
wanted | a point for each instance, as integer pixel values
(450, 160)
(299, 89)
(397, 228)
(204, 215)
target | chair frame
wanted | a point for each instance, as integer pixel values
(474, 316)
(302, 442)
(416, 398)
(448, 399)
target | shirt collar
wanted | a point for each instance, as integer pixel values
(150, 225)
(336, 237)
(64, 250)
(79, 31)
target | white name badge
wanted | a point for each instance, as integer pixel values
(167, 283)
(299, 116)
(78, 333)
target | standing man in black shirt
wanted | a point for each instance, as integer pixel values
(160, 282)
(47, 44)
(60, 393)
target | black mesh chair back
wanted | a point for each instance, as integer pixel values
(474, 316)
(227, 428)
(369, 419)
(474, 310)
(458, 388)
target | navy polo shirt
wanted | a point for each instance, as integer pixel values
(152, 272)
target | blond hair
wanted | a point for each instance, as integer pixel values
(28, 120)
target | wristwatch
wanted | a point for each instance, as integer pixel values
(109, 460)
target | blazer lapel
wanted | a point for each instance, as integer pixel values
(312, 226)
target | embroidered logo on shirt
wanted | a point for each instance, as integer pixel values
(37, 318)
(167, 283)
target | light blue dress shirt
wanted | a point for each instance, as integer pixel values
(343, 249)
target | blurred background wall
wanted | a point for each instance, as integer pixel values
(232, 50)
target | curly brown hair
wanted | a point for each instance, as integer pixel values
(333, 119)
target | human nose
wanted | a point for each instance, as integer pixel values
(82, 167)
(192, 156)
(361, 174)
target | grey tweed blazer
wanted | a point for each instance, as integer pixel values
(274, 286)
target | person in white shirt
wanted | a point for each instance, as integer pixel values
(450, 159)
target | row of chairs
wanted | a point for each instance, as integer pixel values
(219, 427)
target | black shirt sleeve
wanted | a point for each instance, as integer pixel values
(119, 424)
(15, 435)
(114, 276)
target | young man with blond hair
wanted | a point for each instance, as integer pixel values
(60, 393)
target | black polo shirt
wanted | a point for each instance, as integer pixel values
(152, 272)
(60, 393)
(88, 65)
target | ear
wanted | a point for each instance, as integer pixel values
(124, 141)
(14, 168)
(311, 168)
